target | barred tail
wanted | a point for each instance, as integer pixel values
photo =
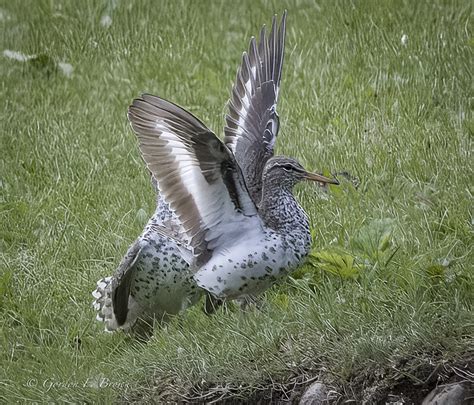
(103, 304)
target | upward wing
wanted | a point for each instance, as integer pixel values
(195, 172)
(252, 121)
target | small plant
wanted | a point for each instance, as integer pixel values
(337, 262)
(371, 246)
(374, 242)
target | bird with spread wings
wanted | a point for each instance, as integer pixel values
(226, 221)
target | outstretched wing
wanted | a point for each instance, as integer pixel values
(252, 121)
(195, 172)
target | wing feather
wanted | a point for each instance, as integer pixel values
(252, 122)
(195, 172)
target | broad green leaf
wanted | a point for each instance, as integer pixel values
(374, 240)
(335, 262)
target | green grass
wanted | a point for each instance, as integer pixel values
(74, 191)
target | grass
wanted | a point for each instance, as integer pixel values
(387, 295)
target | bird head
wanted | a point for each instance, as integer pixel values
(288, 172)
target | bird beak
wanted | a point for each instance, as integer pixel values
(320, 178)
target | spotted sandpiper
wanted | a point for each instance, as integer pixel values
(226, 221)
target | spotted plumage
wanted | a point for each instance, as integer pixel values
(157, 279)
(226, 221)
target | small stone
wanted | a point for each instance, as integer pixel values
(66, 68)
(453, 394)
(18, 56)
(106, 21)
(316, 394)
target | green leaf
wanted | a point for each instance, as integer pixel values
(142, 216)
(339, 263)
(374, 240)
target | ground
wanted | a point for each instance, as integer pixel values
(380, 89)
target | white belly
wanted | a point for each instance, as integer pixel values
(249, 267)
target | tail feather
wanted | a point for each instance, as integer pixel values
(104, 306)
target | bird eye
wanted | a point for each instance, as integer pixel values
(290, 167)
